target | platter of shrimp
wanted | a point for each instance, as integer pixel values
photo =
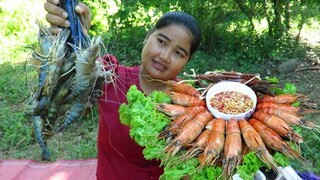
(194, 132)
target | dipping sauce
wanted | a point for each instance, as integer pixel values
(231, 102)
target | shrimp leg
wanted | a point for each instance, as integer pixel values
(37, 126)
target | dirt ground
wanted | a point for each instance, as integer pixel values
(306, 78)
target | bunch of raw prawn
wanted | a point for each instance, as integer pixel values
(215, 141)
(70, 77)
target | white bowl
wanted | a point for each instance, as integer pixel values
(231, 86)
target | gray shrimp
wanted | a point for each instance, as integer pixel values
(76, 110)
(58, 59)
(37, 126)
(55, 62)
(84, 66)
(101, 76)
(45, 41)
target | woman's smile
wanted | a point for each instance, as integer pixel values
(158, 66)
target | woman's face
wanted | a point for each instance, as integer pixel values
(166, 52)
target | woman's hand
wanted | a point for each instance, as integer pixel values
(57, 16)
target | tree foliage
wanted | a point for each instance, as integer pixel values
(252, 30)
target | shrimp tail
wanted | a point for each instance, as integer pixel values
(171, 150)
(230, 165)
(232, 148)
(308, 124)
(194, 151)
(167, 133)
(208, 158)
(267, 158)
(76, 110)
(288, 151)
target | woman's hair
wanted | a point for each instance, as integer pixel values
(185, 20)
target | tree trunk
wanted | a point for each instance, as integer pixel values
(287, 16)
(270, 26)
(248, 12)
(278, 28)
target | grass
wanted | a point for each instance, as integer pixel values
(309, 148)
(17, 142)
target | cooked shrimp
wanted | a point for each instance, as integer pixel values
(199, 146)
(278, 125)
(285, 107)
(232, 148)
(178, 123)
(182, 87)
(281, 99)
(188, 133)
(186, 100)
(273, 140)
(215, 144)
(171, 110)
(290, 118)
(256, 145)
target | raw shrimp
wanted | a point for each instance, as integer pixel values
(186, 100)
(67, 77)
(256, 145)
(76, 110)
(84, 66)
(37, 126)
(78, 105)
(55, 65)
(101, 76)
(278, 125)
(49, 75)
(45, 40)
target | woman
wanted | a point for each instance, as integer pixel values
(167, 49)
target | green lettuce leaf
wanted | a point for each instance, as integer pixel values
(250, 165)
(144, 120)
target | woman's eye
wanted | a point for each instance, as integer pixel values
(161, 41)
(180, 54)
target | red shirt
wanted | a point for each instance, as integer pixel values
(119, 156)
